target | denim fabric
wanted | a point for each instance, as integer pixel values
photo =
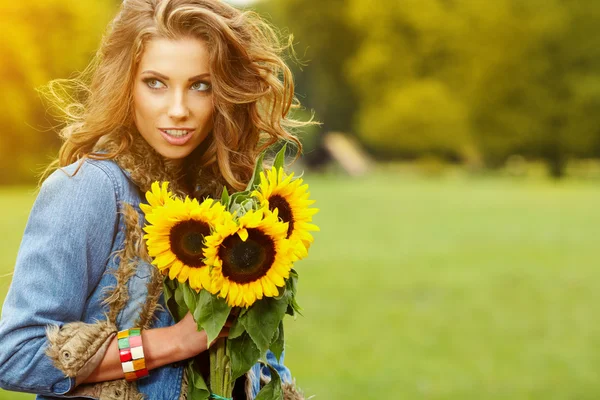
(281, 369)
(72, 232)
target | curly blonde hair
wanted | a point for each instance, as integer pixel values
(253, 92)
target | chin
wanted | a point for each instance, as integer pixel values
(174, 154)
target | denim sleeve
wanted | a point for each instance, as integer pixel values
(62, 256)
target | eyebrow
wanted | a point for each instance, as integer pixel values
(193, 78)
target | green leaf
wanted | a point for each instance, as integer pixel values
(238, 203)
(248, 204)
(190, 297)
(281, 292)
(211, 313)
(273, 389)
(177, 305)
(236, 330)
(168, 293)
(262, 319)
(244, 354)
(295, 307)
(243, 312)
(239, 197)
(182, 310)
(278, 342)
(225, 197)
(169, 286)
(290, 311)
(235, 209)
(292, 282)
(258, 168)
(178, 295)
(197, 389)
(280, 157)
(291, 287)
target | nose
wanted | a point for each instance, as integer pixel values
(178, 108)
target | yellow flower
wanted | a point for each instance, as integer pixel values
(176, 237)
(278, 191)
(157, 196)
(250, 259)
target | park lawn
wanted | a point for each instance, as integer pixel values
(455, 288)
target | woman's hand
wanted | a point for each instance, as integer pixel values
(191, 342)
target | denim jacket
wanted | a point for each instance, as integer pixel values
(66, 270)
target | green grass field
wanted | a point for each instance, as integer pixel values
(465, 288)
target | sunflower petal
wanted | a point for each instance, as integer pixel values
(205, 278)
(184, 274)
(175, 269)
(249, 296)
(225, 288)
(243, 234)
(233, 290)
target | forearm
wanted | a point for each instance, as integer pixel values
(161, 347)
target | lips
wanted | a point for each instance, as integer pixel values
(177, 141)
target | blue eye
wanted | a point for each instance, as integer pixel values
(206, 88)
(152, 83)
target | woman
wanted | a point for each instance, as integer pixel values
(186, 91)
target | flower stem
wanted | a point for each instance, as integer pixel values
(220, 369)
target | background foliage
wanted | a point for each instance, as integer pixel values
(41, 41)
(467, 80)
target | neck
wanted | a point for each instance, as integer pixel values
(173, 162)
(145, 166)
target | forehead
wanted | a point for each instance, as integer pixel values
(183, 58)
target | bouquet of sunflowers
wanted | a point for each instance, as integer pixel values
(233, 256)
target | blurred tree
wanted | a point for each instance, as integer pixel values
(41, 40)
(525, 71)
(543, 94)
(572, 82)
(422, 117)
(411, 101)
(446, 76)
(324, 42)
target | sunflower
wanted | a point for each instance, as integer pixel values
(176, 237)
(157, 196)
(278, 191)
(250, 259)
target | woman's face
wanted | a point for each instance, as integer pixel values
(172, 96)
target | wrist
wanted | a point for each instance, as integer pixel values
(162, 346)
(180, 350)
(131, 353)
(188, 341)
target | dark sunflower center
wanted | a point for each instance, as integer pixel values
(187, 241)
(247, 261)
(285, 211)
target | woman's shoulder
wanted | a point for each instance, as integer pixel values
(82, 184)
(90, 176)
(90, 169)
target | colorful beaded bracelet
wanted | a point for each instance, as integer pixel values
(132, 354)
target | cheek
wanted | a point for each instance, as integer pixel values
(207, 110)
(144, 105)
(208, 120)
